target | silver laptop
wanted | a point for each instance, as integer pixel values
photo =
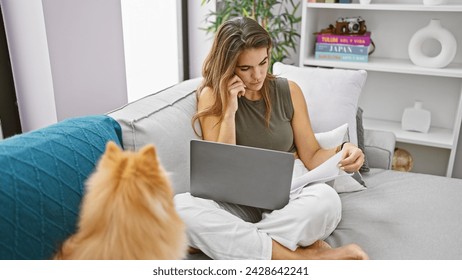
(241, 175)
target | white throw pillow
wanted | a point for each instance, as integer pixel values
(331, 95)
(331, 139)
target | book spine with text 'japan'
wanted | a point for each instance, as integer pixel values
(362, 40)
(342, 48)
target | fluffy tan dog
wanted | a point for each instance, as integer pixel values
(127, 211)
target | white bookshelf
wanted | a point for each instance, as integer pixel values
(394, 82)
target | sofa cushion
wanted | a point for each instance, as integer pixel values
(331, 95)
(163, 119)
(42, 179)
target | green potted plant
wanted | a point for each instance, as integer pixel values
(278, 17)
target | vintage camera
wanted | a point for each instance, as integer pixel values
(350, 26)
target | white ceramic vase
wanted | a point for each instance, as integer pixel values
(416, 118)
(364, 2)
(435, 31)
(434, 2)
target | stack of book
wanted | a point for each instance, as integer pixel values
(352, 48)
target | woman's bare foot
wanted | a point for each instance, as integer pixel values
(321, 244)
(347, 252)
(319, 250)
(192, 250)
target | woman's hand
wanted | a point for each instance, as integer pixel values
(236, 88)
(352, 158)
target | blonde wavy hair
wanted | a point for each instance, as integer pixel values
(233, 37)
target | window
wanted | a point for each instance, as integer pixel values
(153, 45)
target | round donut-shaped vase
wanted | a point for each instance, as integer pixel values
(434, 31)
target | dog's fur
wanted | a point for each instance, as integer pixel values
(402, 160)
(127, 211)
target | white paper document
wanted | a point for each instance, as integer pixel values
(325, 172)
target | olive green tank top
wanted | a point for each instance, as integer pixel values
(251, 129)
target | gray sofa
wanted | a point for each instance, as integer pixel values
(399, 216)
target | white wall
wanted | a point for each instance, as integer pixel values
(86, 50)
(28, 46)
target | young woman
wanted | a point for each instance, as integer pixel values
(239, 102)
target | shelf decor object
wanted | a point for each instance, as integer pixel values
(364, 2)
(434, 2)
(402, 160)
(416, 118)
(434, 30)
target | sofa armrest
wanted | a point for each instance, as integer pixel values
(164, 120)
(379, 148)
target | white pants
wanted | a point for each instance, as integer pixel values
(229, 231)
